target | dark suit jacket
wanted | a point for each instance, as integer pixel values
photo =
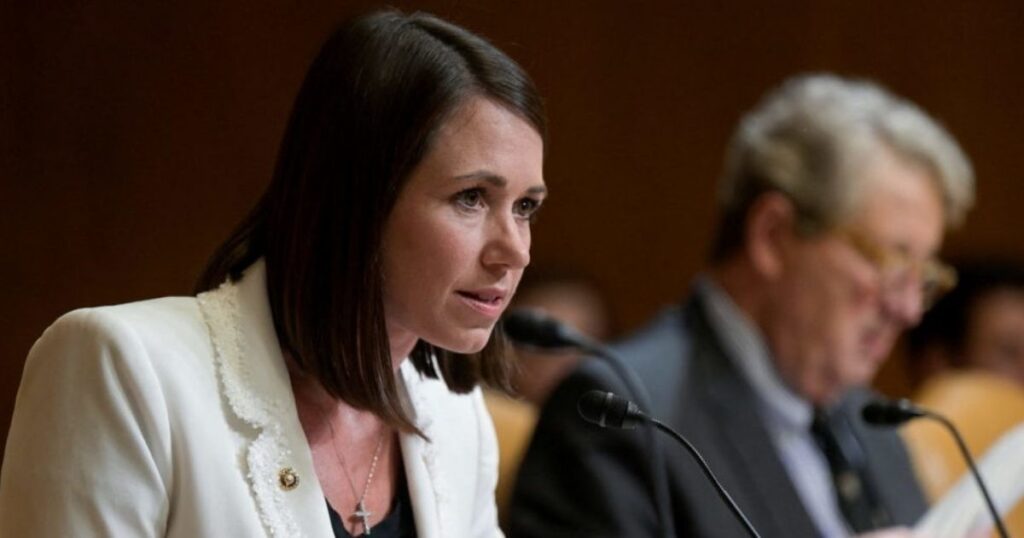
(580, 480)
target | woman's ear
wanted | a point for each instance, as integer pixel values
(770, 226)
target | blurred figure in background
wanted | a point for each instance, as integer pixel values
(573, 298)
(979, 325)
(833, 205)
(966, 362)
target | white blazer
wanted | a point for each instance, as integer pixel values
(175, 417)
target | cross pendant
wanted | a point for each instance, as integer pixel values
(363, 514)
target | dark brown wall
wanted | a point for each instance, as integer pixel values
(134, 135)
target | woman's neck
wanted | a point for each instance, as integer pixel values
(401, 342)
(316, 406)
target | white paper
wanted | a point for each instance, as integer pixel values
(962, 511)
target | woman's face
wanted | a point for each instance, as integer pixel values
(458, 238)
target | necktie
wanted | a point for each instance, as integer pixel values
(857, 498)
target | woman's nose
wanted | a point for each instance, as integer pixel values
(509, 244)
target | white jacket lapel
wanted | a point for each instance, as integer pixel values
(422, 466)
(255, 383)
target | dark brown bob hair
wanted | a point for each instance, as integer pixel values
(367, 113)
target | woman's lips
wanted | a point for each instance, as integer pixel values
(488, 302)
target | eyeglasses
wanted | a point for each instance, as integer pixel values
(898, 269)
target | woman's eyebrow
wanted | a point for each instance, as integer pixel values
(497, 180)
(490, 177)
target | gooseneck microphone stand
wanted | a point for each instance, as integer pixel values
(532, 328)
(610, 411)
(893, 413)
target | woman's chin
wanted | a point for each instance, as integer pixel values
(467, 344)
(470, 349)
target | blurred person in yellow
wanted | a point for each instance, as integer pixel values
(966, 360)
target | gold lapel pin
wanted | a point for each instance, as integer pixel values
(288, 479)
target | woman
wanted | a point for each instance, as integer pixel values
(322, 381)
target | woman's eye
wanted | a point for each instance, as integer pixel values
(527, 207)
(469, 198)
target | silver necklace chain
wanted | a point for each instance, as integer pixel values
(360, 513)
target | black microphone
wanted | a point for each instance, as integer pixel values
(536, 329)
(610, 411)
(890, 413)
(893, 413)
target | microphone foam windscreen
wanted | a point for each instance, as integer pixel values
(603, 408)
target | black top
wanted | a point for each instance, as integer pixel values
(399, 522)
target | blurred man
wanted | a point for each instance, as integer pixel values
(834, 202)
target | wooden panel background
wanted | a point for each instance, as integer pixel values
(133, 135)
